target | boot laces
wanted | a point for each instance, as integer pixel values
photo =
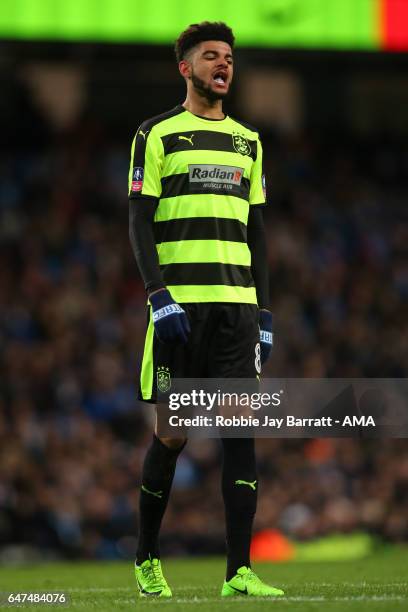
(153, 571)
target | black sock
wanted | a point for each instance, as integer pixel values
(157, 477)
(239, 489)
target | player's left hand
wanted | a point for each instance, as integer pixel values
(266, 335)
(169, 318)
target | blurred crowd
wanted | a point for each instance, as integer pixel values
(73, 314)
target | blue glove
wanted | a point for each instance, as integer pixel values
(170, 320)
(265, 332)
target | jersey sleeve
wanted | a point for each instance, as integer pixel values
(146, 164)
(257, 192)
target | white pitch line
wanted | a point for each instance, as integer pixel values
(197, 599)
(96, 589)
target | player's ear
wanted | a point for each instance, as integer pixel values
(185, 69)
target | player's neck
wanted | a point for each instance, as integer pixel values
(202, 107)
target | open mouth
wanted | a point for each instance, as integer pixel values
(220, 78)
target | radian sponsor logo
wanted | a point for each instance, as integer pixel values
(227, 175)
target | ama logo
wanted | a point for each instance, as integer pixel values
(137, 178)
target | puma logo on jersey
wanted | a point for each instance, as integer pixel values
(158, 494)
(189, 139)
(252, 484)
(144, 134)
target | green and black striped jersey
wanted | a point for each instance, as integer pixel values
(205, 174)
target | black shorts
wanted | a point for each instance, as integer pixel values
(224, 343)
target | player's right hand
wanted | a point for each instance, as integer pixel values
(170, 320)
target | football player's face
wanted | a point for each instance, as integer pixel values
(212, 69)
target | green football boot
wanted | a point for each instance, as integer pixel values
(246, 582)
(150, 579)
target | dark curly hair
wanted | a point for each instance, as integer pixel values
(198, 32)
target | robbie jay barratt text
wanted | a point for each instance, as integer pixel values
(250, 421)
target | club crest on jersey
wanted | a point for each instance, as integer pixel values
(137, 178)
(241, 144)
(163, 379)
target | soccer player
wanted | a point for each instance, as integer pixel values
(196, 229)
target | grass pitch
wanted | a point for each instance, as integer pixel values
(379, 582)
